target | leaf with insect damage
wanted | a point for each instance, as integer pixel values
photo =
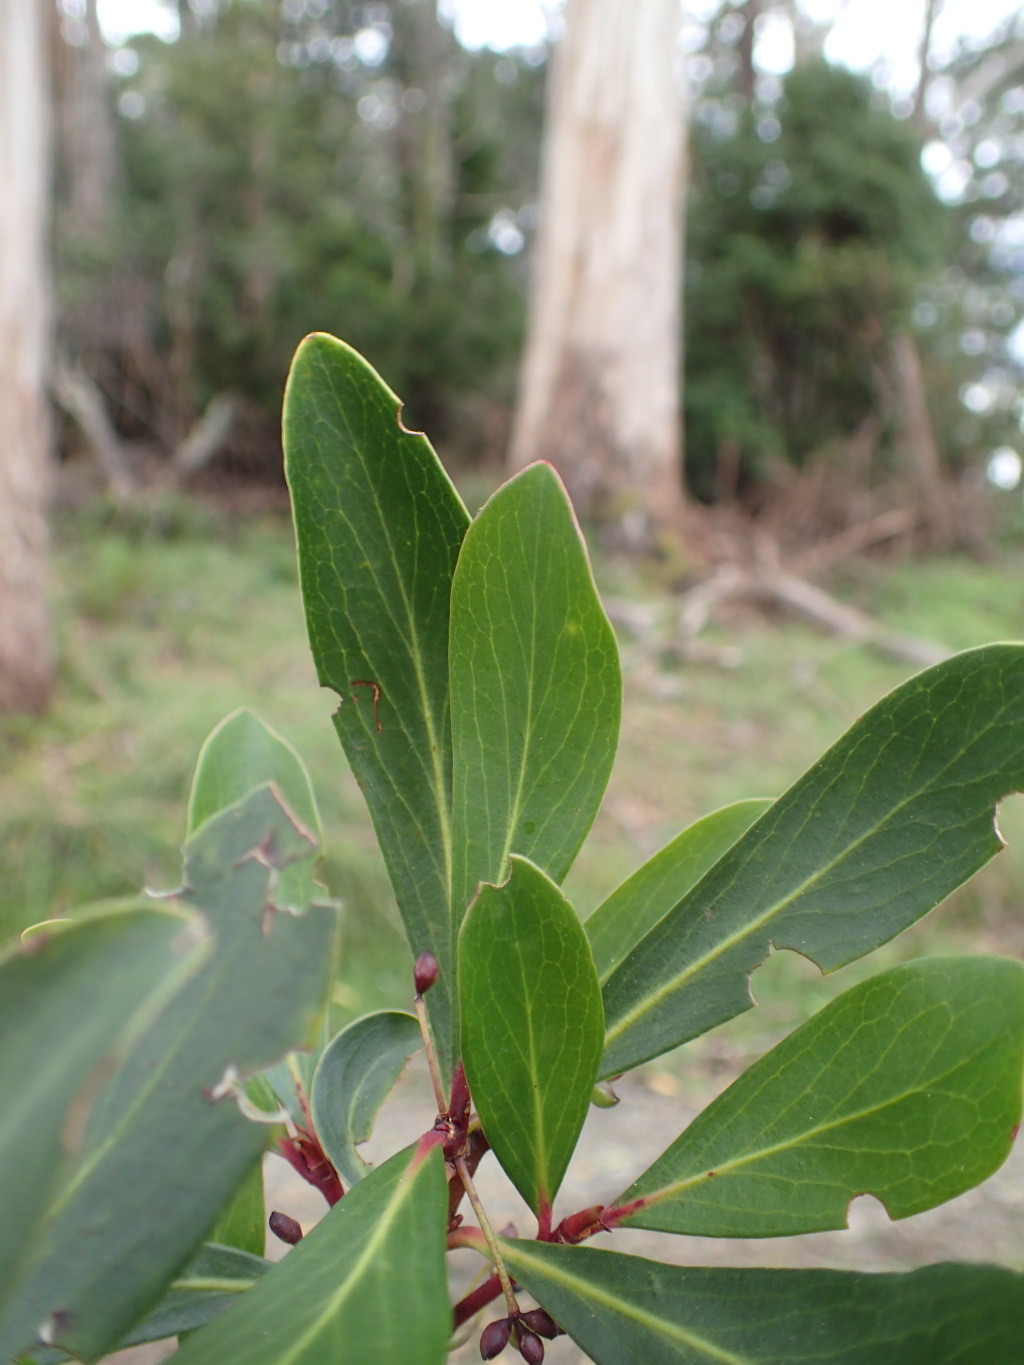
(167, 1143)
(889, 821)
(241, 754)
(907, 1087)
(379, 525)
(72, 998)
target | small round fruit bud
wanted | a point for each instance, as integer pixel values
(285, 1228)
(531, 1348)
(542, 1323)
(494, 1338)
(424, 973)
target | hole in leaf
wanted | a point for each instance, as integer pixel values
(986, 910)
(788, 989)
(866, 1215)
(1009, 819)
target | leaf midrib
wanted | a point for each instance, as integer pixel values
(654, 998)
(722, 1168)
(669, 1330)
(541, 1170)
(415, 653)
(143, 1094)
(334, 1304)
(210, 1284)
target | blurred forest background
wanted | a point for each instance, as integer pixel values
(853, 334)
(285, 165)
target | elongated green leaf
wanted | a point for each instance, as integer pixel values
(891, 819)
(356, 1073)
(243, 1222)
(907, 1087)
(532, 1027)
(379, 527)
(623, 1310)
(162, 1153)
(634, 908)
(366, 1287)
(536, 689)
(70, 999)
(241, 754)
(213, 1282)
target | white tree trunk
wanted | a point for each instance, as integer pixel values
(601, 374)
(25, 656)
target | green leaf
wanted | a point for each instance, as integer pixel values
(243, 1222)
(291, 1080)
(379, 527)
(366, 1287)
(634, 908)
(624, 1310)
(536, 689)
(241, 754)
(213, 1282)
(886, 824)
(162, 1155)
(71, 999)
(907, 1087)
(532, 1027)
(356, 1073)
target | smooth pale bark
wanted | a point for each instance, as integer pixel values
(25, 654)
(87, 132)
(599, 390)
(920, 448)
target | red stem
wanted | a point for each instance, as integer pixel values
(476, 1299)
(306, 1156)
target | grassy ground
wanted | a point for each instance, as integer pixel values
(168, 620)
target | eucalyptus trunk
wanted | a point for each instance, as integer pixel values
(600, 383)
(25, 656)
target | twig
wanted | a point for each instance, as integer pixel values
(81, 399)
(492, 1241)
(205, 438)
(428, 1047)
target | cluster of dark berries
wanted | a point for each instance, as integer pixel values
(528, 1329)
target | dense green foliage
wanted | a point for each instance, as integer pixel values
(907, 1085)
(271, 182)
(811, 225)
(342, 166)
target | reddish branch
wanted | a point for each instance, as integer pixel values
(305, 1155)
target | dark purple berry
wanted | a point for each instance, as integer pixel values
(542, 1323)
(531, 1348)
(286, 1228)
(425, 972)
(494, 1338)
